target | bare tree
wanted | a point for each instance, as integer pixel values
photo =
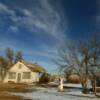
(83, 57)
(3, 67)
(95, 58)
(10, 55)
(18, 56)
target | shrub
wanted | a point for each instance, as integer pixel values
(45, 78)
(73, 79)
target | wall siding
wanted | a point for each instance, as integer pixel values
(16, 69)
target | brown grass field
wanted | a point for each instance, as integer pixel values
(7, 89)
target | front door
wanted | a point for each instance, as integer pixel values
(19, 78)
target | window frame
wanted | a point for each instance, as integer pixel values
(20, 66)
(27, 76)
(12, 75)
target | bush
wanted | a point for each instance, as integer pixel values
(53, 78)
(73, 79)
(45, 78)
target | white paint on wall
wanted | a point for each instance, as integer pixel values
(19, 68)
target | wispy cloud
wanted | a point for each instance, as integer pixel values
(42, 18)
(50, 53)
(14, 29)
(4, 9)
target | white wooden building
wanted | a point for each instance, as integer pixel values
(23, 72)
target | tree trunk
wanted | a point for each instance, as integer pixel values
(84, 85)
(95, 86)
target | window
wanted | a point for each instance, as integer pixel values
(12, 75)
(26, 75)
(20, 66)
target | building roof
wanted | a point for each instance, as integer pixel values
(34, 67)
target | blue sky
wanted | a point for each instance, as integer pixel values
(39, 27)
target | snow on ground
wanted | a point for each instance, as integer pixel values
(73, 85)
(68, 85)
(53, 94)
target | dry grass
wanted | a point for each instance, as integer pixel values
(8, 96)
(13, 87)
(6, 90)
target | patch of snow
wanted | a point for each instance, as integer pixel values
(73, 85)
(53, 94)
(67, 85)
